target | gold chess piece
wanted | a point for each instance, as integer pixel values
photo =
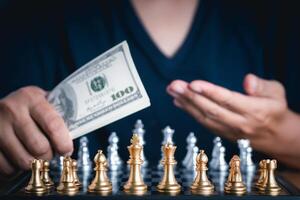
(168, 183)
(75, 176)
(101, 183)
(234, 184)
(36, 184)
(135, 183)
(45, 175)
(262, 173)
(201, 184)
(67, 183)
(269, 184)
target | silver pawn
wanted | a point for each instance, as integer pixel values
(222, 164)
(243, 144)
(250, 166)
(57, 163)
(191, 164)
(113, 159)
(140, 131)
(191, 143)
(83, 156)
(218, 162)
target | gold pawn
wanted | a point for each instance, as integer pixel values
(234, 184)
(101, 183)
(36, 184)
(168, 184)
(135, 183)
(269, 184)
(45, 175)
(262, 173)
(201, 184)
(75, 176)
(67, 184)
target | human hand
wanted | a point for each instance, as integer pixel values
(29, 128)
(256, 116)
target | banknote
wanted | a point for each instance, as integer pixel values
(102, 91)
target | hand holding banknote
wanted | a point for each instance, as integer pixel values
(34, 122)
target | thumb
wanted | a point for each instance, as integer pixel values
(259, 87)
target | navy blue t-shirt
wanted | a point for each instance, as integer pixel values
(45, 42)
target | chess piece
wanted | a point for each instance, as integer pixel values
(140, 131)
(45, 175)
(67, 183)
(262, 173)
(191, 143)
(243, 145)
(249, 165)
(234, 184)
(269, 184)
(36, 184)
(83, 156)
(218, 162)
(113, 158)
(168, 139)
(191, 164)
(57, 163)
(135, 183)
(168, 183)
(101, 183)
(201, 184)
(74, 171)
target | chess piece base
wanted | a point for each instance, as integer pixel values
(202, 189)
(169, 188)
(236, 188)
(36, 190)
(67, 188)
(135, 187)
(93, 188)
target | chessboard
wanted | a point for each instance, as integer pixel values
(151, 176)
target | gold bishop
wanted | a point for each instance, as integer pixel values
(201, 184)
(101, 183)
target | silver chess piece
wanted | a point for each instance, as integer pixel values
(140, 131)
(245, 155)
(57, 163)
(218, 162)
(83, 156)
(113, 159)
(191, 143)
(167, 139)
(191, 164)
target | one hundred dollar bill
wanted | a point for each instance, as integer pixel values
(102, 91)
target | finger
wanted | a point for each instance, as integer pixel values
(234, 101)
(207, 122)
(256, 86)
(14, 149)
(5, 167)
(208, 108)
(32, 138)
(53, 126)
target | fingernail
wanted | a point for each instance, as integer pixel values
(68, 154)
(178, 89)
(196, 88)
(253, 84)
